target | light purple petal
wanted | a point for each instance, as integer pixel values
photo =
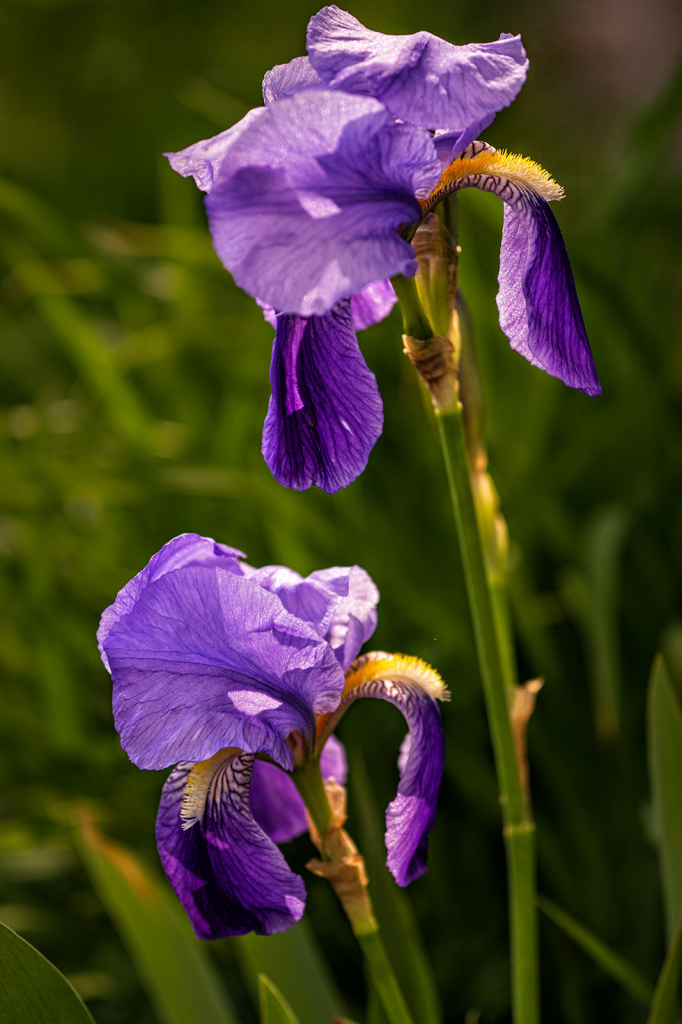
(325, 412)
(449, 144)
(372, 303)
(207, 660)
(228, 875)
(420, 78)
(185, 550)
(306, 197)
(537, 301)
(276, 803)
(410, 817)
(288, 79)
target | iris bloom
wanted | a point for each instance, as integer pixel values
(223, 670)
(312, 198)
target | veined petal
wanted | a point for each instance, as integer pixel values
(420, 78)
(372, 303)
(229, 876)
(413, 687)
(340, 602)
(306, 197)
(206, 660)
(181, 552)
(537, 301)
(325, 413)
(287, 79)
(276, 803)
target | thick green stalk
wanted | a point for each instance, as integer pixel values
(308, 780)
(518, 826)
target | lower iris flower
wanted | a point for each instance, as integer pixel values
(312, 200)
(238, 676)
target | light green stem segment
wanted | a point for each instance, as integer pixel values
(518, 827)
(308, 781)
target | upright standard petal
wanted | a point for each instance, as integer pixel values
(340, 603)
(537, 301)
(276, 803)
(206, 660)
(307, 195)
(179, 553)
(227, 873)
(413, 687)
(287, 79)
(420, 78)
(325, 413)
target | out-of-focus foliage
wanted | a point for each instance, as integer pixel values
(134, 383)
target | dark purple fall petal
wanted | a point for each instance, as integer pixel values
(537, 301)
(206, 660)
(420, 78)
(276, 803)
(325, 412)
(306, 196)
(410, 817)
(228, 875)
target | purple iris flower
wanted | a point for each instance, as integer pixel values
(311, 200)
(222, 670)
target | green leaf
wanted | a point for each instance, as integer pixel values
(665, 776)
(32, 991)
(294, 962)
(399, 927)
(663, 1006)
(274, 1009)
(175, 968)
(612, 963)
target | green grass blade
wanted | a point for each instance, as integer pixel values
(612, 963)
(664, 727)
(32, 991)
(177, 974)
(293, 961)
(274, 1009)
(664, 1002)
(399, 927)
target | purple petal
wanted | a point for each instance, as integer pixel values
(410, 817)
(340, 603)
(325, 412)
(276, 803)
(372, 303)
(449, 144)
(288, 79)
(207, 660)
(537, 301)
(420, 78)
(306, 196)
(228, 875)
(185, 550)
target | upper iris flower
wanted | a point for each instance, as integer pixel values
(311, 200)
(238, 676)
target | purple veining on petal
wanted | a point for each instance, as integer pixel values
(326, 442)
(276, 803)
(228, 875)
(306, 197)
(420, 78)
(410, 817)
(206, 660)
(287, 79)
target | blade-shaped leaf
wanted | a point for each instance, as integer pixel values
(665, 775)
(178, 976)
(274, 1009)
(32, 991)
(611, 963)
(663, 1005)
(293, 961)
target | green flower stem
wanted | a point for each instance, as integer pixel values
(415, 322)
(308, 780)
(518, 827)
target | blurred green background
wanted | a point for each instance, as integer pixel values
(134, 383)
